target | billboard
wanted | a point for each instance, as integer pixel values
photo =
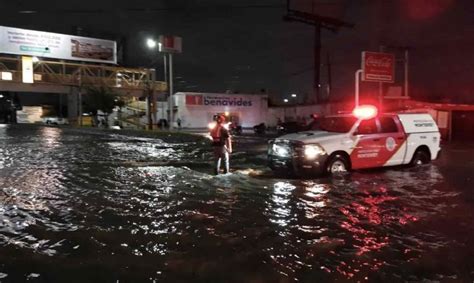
(57, 46)
(378, 67)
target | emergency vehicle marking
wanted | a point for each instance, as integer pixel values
(374, 152)
(369, 153)
(423, 123)
(390, 144)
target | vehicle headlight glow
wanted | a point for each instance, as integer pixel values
(311, 151)
(211, 125)
(280, 150)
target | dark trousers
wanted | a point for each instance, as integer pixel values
(221, 155)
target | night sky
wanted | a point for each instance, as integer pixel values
(245, 46)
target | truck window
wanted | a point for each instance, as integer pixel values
(388, 125)
(337, 124)
(367, 127)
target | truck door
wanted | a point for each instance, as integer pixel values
(393, 141)
(366, 149)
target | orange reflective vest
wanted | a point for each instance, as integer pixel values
(216, 134)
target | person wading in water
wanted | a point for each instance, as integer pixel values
(222, 145)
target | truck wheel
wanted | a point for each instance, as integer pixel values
(337, 164)
(420, 157)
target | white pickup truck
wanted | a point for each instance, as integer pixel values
(363, 139)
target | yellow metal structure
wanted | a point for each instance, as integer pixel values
(78, 74)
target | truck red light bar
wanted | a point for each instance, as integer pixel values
(365, 112)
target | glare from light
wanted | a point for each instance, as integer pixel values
(151, 43)
(226, 113)
(35, 59)
(365, 112)
(211, 125)
(280, 150)
(7, 76)
(1, 95)
(285, 100)
(293, 95)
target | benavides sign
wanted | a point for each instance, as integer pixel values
(378, 67)
(216, 100)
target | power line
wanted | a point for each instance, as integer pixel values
(147, 10)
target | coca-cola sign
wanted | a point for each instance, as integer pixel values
(378, 67)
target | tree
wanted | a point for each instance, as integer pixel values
(100, 98)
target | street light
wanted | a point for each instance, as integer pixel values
(285, 100)
(151, 43)
(293, 95)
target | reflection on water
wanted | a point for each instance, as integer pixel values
(92, 206)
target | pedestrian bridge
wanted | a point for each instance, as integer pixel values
(63, 77)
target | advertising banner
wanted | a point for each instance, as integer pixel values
(219, 100)
(57, 46)
(378, 67)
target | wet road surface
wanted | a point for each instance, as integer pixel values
(80, 205)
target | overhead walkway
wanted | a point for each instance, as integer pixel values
(59, 77)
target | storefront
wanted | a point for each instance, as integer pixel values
(196, 110)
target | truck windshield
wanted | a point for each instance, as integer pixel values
(337, 124)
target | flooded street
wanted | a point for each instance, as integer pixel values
(79, 205)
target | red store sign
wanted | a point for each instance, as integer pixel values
(378, 67)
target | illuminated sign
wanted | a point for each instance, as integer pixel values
(27, 69)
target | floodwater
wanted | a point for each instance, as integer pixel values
(80, 205)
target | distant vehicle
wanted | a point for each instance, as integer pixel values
(235, 129)
(360, 140)
(55, 121)
(260, 129)
(290, 127)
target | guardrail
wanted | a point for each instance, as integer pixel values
(76, 74)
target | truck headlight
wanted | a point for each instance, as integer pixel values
(311, 151)
(279, 150)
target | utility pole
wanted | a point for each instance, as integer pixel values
(170, 100)
(381, 49)
(329, 74)
(406, 62)
(320, 23)
(163, 107)
(406, 94)
(317, 62)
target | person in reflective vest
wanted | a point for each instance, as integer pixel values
(222, 145)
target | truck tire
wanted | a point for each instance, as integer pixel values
(420, 157)
(337, 164)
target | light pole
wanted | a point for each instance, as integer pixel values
(295, 103)
(168, 63)
(284, 109)
(153, 44)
